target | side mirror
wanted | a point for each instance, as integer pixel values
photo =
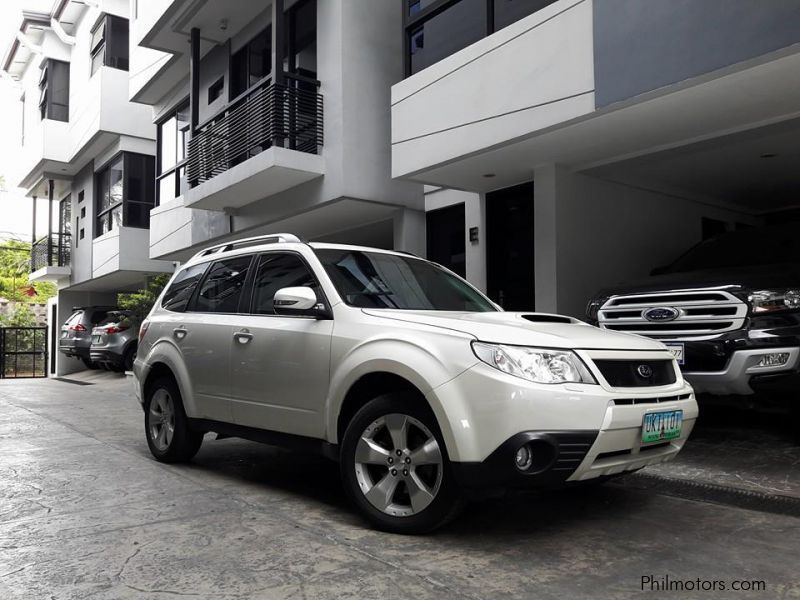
(298, 301)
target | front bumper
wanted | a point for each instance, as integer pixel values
(482, 410)
(564, 457)
(742, 372)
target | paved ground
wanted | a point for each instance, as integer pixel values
(85, 512)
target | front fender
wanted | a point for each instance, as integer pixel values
(423, 366)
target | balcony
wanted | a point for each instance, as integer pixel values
(264, 142)
(50, 258)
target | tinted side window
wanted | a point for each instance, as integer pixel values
(180, 291)
(276, 271)
(222, 287)
(98, 316)
(74, 319)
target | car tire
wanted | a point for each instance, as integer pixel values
(167, 430)
(395, 468)
(128, 358)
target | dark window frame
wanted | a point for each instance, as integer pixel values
(109, 27)
(250, 290)
(182, 136)
(125, 204)
(53, 101)
(412, 22)
(243, 303)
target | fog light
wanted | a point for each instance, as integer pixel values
(524, 458)
(775, 359)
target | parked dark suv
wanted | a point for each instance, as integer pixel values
(729, 310)
(76, 332)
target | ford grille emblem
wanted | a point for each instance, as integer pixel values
(645, 371)
(661, 314)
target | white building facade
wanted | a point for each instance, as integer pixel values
(541, 148)
(595, 140)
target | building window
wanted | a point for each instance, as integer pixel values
(215, 89)
(110, 43)
(435, 29)
(54, 90)
(173, 140)
(125, 193)
(251, 63)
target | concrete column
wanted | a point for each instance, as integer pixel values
(545, 238)
(409, 231)
(475, 216)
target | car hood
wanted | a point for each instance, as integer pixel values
(734, 279)
(523, 329)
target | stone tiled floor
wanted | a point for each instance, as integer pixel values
(85, 512)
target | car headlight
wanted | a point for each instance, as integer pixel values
(764, 301)
(539, 365)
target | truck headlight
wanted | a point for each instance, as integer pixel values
(593, 308)
(764, 301)
(539, 365)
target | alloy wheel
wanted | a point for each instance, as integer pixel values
(162, 419)
(398, 465)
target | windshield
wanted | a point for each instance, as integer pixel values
(377, 280)
(749, 248)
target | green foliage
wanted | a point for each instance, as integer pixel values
(142, 301)
(15, 266)
(22, 317)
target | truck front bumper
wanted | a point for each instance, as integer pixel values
(743, 369)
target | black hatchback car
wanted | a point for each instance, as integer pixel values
(76, 333)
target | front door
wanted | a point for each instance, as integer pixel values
(509, 253)
(280, 365)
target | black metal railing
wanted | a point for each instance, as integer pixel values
(23, 352)
(51, 251)
(266, 115)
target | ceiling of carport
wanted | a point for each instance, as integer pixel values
(758, 169)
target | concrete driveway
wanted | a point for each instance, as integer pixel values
(85, 512)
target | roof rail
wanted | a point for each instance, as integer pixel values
(273, 238)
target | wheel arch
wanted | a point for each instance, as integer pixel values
(163, 360)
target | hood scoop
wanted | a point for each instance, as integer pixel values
(537, 318)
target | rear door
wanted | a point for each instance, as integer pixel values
(280, 365)
(205, 333)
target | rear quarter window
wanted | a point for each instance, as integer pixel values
(180, 291)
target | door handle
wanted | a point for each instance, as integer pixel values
(179, 333)
(243, 336)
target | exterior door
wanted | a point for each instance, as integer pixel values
(279, 364)
(204, 333)
(509, 253)
(445, 238)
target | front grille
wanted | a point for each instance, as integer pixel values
(628, 451)
(637, 373)
(635, 401)
(696, 314)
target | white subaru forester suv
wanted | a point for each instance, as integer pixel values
(421, 387)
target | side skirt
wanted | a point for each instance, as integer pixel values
(289, 441)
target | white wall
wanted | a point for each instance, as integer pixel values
(533, 74)
(592, 233)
